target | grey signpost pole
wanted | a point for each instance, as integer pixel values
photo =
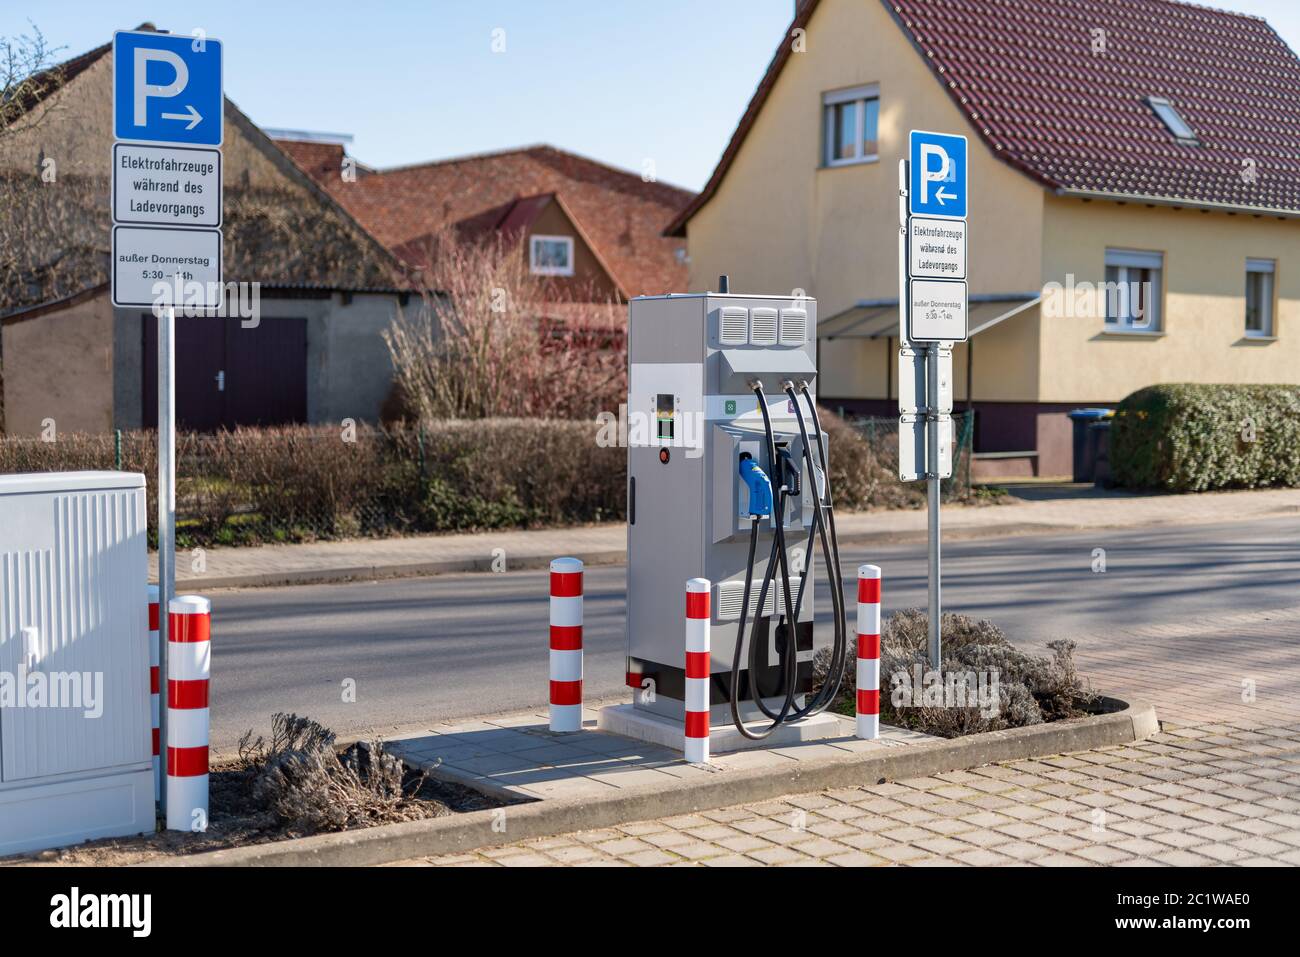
(166, 511)
(933, 480)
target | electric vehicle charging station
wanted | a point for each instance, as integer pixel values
(727, 481)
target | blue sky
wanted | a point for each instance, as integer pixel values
(620, 80)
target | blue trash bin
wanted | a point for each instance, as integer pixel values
(1084, 462)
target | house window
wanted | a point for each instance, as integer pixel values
(1133, 290)
(1259, 298)
(551, 255)
(851, 124)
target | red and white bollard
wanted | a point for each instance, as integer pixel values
(155, 688)
(868, 676)
(696, 747)
(189, 657)
(566, 645)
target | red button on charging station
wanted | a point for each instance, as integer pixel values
(664, 456)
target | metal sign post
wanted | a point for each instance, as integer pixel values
(932, 502)
(168, 124)
(933, 314)
(166, 508)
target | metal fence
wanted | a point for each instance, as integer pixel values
(882, 435)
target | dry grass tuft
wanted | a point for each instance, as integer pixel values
(303, 780)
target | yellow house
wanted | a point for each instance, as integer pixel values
(1134, 183)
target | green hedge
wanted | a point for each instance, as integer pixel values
(1192, 438)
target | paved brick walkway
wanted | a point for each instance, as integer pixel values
(1212, 794)
(1242, 667)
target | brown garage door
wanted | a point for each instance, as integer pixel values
(228, 376)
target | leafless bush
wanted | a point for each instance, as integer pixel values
(497, 340)
(301, 778)
(864, 472)
(301, 476)
(27, 78)
(1031, 688)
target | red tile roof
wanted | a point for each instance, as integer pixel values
(321, 161)
(621, 216)
(1076, 119)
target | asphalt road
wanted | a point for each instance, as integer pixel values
(457, 645)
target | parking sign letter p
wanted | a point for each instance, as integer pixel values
(144, 90)
(929, 175)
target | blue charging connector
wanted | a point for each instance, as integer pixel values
(760, 489)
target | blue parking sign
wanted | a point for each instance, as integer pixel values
(938, 175)
(167, 89)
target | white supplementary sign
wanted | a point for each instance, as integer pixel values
(913, 449)
(187, 259)
(937, 248)
(912, 398)
(938, 310)
(166, 186)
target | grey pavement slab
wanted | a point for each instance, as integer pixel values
(518, 756)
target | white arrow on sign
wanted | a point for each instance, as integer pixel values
(191, 114)
(942, 196)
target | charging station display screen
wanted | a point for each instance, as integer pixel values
(665, 410)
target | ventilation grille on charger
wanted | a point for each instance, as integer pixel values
(762, 327)
(794, 327)
(731, 593)
(734, 326)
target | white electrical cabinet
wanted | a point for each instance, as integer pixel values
(76, 749)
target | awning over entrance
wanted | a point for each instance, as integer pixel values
(878, 318)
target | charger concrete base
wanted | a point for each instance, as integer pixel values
(641, 725)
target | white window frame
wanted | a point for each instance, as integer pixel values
(1263, 267)
(859, 95)
(1128, 265)
(1174, 121)
(549, 270)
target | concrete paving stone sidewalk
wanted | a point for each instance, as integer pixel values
(517, 756)
(430, 554)
(1205, 795)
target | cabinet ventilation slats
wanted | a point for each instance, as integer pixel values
(762, 327)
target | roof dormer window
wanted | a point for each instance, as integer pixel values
(1172, 119)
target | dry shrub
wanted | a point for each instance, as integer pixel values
(513, 473)
(304, 477)
(497, 340)
(864, 473)
(1031, 688)
(299, 483)
(302, 779)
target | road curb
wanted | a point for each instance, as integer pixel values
(350, 573)
(1123, 724)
